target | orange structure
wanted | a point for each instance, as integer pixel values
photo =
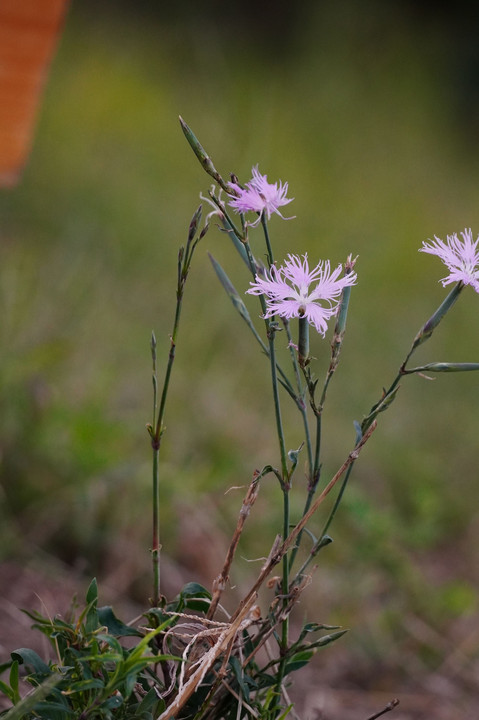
(29, 30)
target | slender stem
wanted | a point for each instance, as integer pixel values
(423, 334)
(278, 552)
(337, 502)
(301, 405)
(286, 479)
(171, 359)
(339, 330)
(185, 256)
(156, 547)
(322, 539)
(155, 444)
(267, 240)
(277, 405)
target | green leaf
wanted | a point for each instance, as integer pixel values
(313, 627)
(235, 238)
(298, 661)
(101, 657)
(28, 703)
(131, 680)
(111, 642)
(82, 685)
(236, 300)
(149, 701)
(92, 592)
(91, 614)
(30, 659)
(231, 291)
(194, 589)
(239, 675)
(444, 367)
(327, 639)
(264, 680)
(14, 681)
(286, 712)
(5, 666)
(116, 627)
(8, 691)
(113, 702)
(54, 710)
(195, 597)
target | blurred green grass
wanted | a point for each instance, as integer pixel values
(356, 116)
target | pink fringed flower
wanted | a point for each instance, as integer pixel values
(260, 196)
(288, 290)
(460, 256)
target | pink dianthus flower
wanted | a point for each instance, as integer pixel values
(289, 294)
(460, 256)
(259, 196)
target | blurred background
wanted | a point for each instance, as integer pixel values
(370, 111)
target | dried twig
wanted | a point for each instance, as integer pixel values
(219, 583)
(208, 661)
(390, 706)
(275, 557)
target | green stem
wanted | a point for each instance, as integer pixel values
(277, 406)
(300, 398)
(156, 429)
(269, 249)
(303, 341)
(424, 334)
(156, 547)
(286, 479)
(155, 444)
(339, 330)
(323, 540)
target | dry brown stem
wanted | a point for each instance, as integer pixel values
(219, 583)
(275, 557)
(390, 706)
(224, 641)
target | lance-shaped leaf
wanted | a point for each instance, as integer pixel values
(443, 367)
(243, 311)
(233, 232)
(28, 703)
(234, 236)
(327, 639)
(235, 297)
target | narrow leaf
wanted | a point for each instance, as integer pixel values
(14, 681)
(92, 592)
(7, 690)
(29, 702)
(243, 311)
(231, 291)
(327, 639)
(444, 367)
(298, 661)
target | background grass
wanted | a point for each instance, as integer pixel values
(367, 110)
